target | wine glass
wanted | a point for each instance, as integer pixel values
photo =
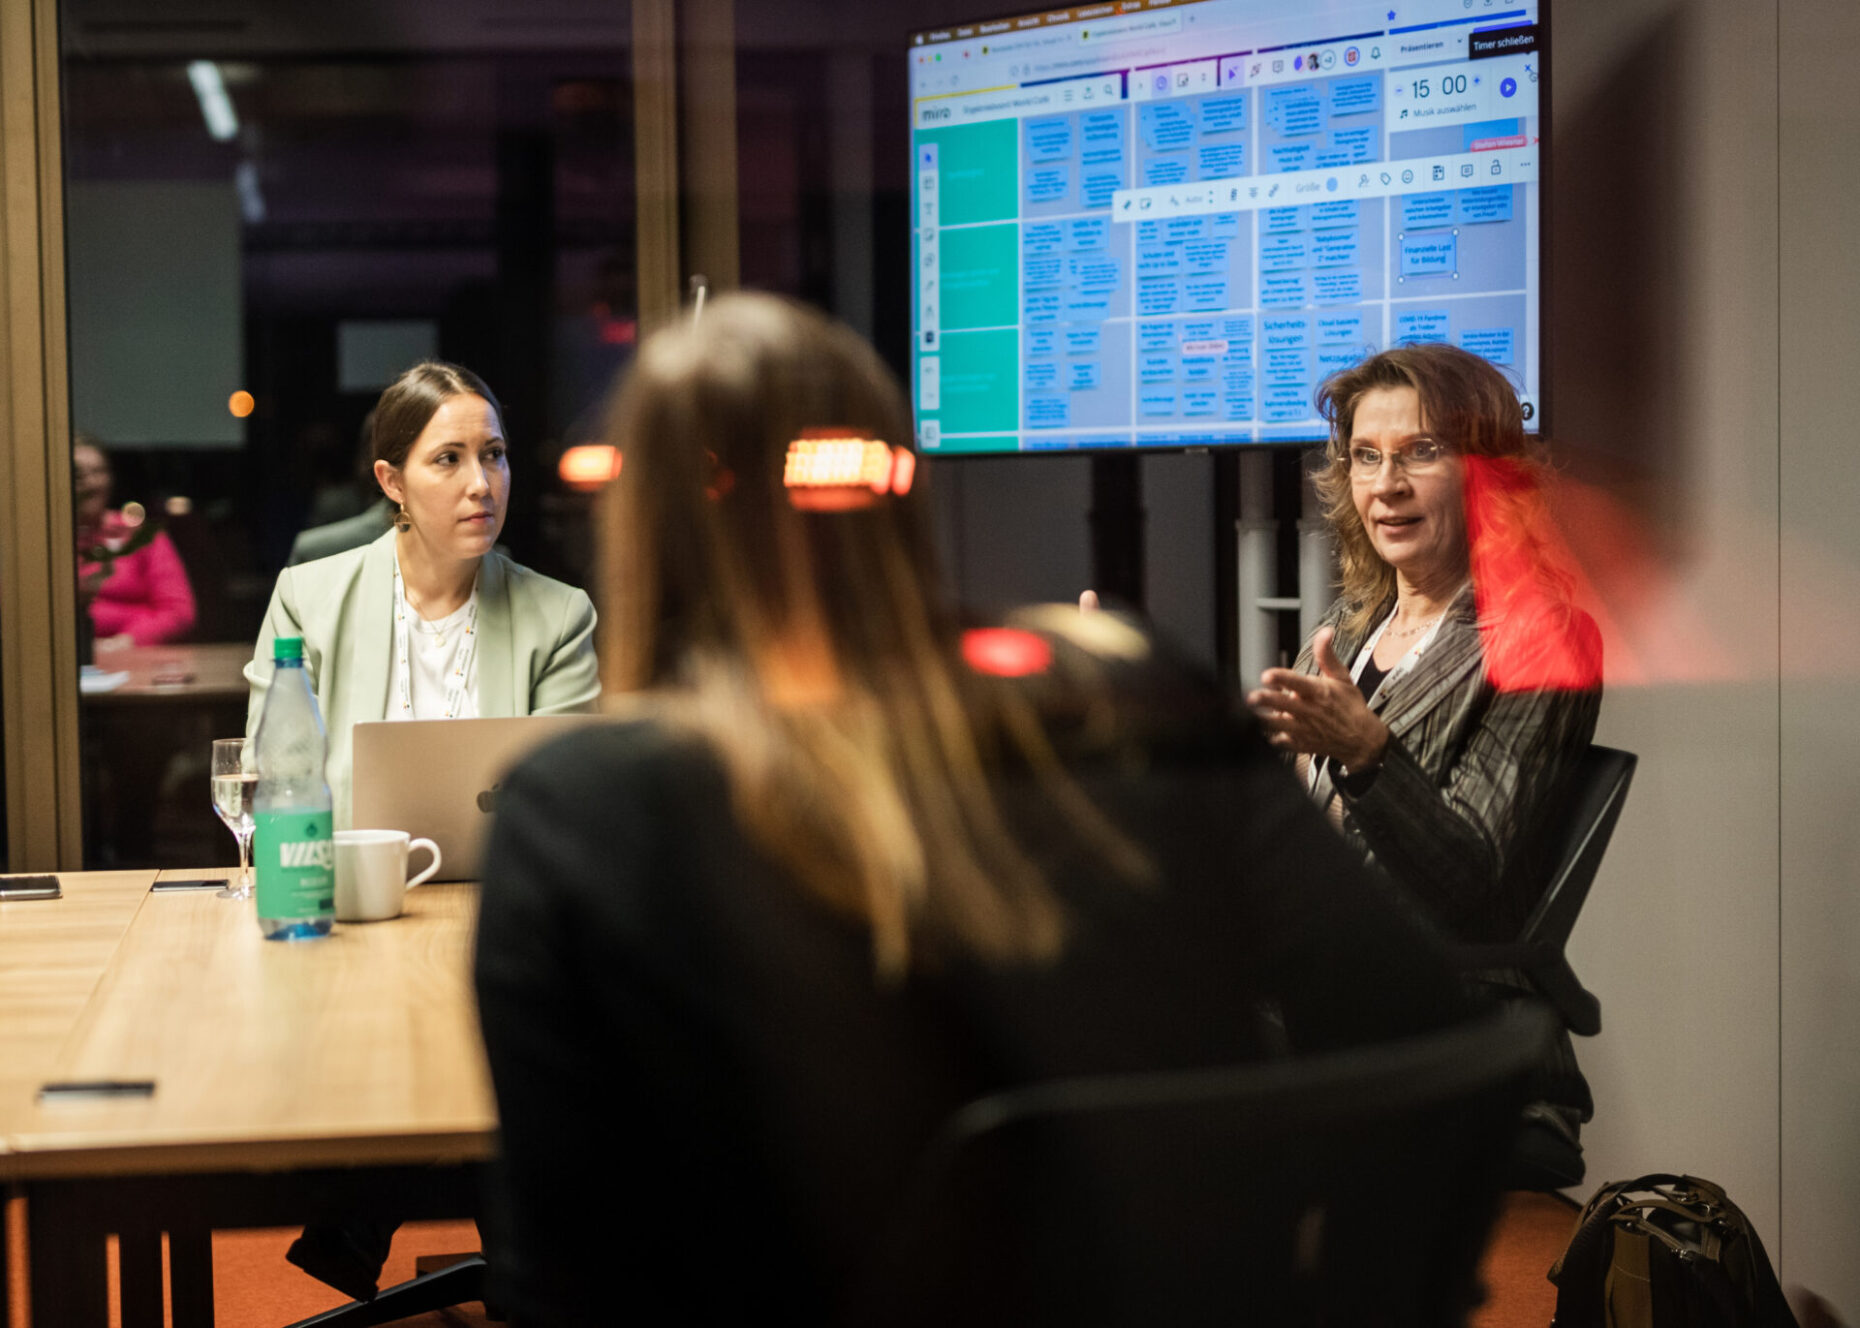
(234, 783)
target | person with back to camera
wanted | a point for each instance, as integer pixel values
(428, 621)
(1441, 704)
(837, 867)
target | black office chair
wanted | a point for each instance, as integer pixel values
(1597, 790)
(1352, 1188)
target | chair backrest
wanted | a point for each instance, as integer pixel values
(1597, 789)
(1352, 1188)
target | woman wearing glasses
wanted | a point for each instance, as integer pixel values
(1439, 707)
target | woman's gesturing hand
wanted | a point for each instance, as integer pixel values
(1324, 715)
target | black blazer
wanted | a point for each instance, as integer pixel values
(708, 1102)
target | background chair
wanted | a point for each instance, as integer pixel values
(1597, 790)
(1349, 1188)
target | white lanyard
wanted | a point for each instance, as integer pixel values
(462, 676)
(1402, 666)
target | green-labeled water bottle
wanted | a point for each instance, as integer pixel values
(294, 851)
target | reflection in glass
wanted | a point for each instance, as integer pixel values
(268, 219)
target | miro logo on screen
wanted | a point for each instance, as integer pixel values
(936, 113)
(307, 853)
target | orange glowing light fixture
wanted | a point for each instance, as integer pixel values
(589, 465)
(1006, 652)
(241, 404)
(831, 470)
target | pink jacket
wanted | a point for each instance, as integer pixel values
(146, 593)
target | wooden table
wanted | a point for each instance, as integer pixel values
(293, 1080)
(205, 671)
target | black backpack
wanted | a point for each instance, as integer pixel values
(1666, 1251)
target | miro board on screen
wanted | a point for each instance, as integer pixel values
(1162, 223)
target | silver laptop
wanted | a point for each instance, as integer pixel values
(438, 778)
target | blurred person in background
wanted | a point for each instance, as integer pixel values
(1437, 711)
(130, 578)
(840, 867)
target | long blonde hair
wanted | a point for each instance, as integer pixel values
(811, 648)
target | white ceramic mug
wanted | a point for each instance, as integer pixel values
(371, 873)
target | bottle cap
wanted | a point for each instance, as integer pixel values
(287, 647)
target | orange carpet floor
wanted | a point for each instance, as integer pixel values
(255, 1288)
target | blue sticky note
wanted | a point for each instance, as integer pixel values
(1083, 340)
(1357, 144)
(1492, 203)
(1181, 230)
(1237, 331)
(1422, 211)
(1335, 248)
(1159, 296)
(1149, 232)
(1281, 290)
(1291, 156)
(1282, 220)
(1156, 369)
(1330, 159)
(1041, 375)
(1239, 405)
(1158, 260)
(1040, 270)
(1172, 169)
(1205, 293)
(1085, 307)
(1048, 412)
(1422, 325)
(1336, 212)
(1334, 328)
(1281, 334)
(1049, 140)
(1224, 114)
(1356, 96)
(1492, 343)
(1294, 111)
(1434, 255)
(1096, 271)
(1224, 225)
(1101, 135)
(1198, 368)
(1345, 287)
(1196, 330)
(1155, 336)
(1205, 256)
(1332, 360)
(1097, 187)
(1165, 126)
(1087, 233)
(1287, 409)
(1217, 160)
(1237, 379)
(1041, 237)
(1154, 402)
(1040, 342)
(1041, 306)
(1199, 402)
(1046, 183)
(1082, 376)
(1283, 253)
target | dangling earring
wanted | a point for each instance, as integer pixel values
(402, 522)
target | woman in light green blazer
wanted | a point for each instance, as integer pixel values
(429, 621)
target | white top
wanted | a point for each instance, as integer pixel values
(435, 663)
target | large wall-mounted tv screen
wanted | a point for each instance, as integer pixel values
(1162, 225)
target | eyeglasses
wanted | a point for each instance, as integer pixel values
(1417, 458)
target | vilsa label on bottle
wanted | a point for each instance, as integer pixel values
(296, 864)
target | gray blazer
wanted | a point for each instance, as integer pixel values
(535, 652)
(1455, 813)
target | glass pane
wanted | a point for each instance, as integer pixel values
(267, 219)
